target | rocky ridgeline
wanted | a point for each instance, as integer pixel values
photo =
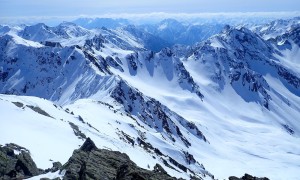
(87, 162)
(247, 177)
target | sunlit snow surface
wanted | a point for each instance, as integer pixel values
(242, 135)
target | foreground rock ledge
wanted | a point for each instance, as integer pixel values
(16, 163)
(247, 177)
(89, 162)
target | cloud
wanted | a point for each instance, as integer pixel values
(153, 17)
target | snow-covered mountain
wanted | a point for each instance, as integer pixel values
(159, 35)
(66, 74)
(150, 41)
(93, 23)
(227, 105)
(42, 32)
(276, 27)
(176, 32)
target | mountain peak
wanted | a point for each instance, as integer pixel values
(67, 24)
(96, 23)
(88, 145)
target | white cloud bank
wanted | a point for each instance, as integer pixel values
(139, 18)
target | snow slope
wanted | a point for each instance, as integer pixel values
(48, 129)
(230, 103)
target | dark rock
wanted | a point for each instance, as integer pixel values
(52, 44)
(18, 104)
(158, 169)
(39, 110)
(88, 145)
(77, 131)
(233, 178)
(18, 166)
(50, 179)
(89, 162)
(180, 166)
(288, 129)
(247, 177)
(55, 167)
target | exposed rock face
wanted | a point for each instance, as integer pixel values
(14, 165)
(89, 162)
(247, 177)
(55, 167)
(155, 114)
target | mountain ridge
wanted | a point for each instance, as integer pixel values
(184, 107)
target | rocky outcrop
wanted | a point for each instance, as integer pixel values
(247, 177)
(55, 167)
(89, 162)
(16, 163)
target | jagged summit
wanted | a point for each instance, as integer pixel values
(88, 145)
(276, 27)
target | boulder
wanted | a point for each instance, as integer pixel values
(16, 162)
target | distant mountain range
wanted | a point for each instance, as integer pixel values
(170, 31)
(204, 101)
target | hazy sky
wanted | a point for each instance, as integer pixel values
(9, 8)
(18, 9)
